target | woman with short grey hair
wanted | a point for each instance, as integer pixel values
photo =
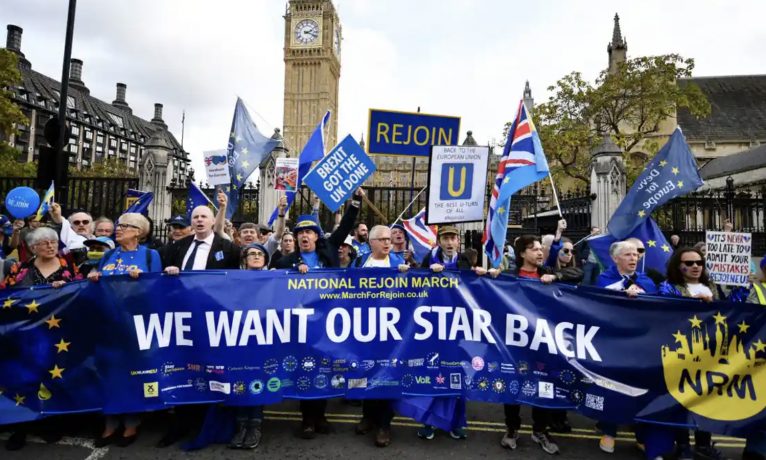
(45, 267)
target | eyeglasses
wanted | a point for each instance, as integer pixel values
(122, 226)
(256, 254)
(384, 240)
(52, 243)
(691, 263)
(80, 222)
(566, 251)
(641, 250)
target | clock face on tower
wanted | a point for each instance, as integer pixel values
(306, 31)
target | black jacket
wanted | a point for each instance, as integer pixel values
(228, 258)
(327, 248)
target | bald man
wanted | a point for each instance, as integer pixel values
(204, 250)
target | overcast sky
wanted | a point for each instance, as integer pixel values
(454, 57)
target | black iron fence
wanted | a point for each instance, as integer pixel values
(99, 196)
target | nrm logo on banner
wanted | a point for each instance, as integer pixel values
(457, 179)
(715, 372)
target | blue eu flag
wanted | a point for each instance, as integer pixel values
(671, 173)
(141, 205)
(247, 149)
(196, 197)
(657, 248)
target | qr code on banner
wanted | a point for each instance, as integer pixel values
(594, 402)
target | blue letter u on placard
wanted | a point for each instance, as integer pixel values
(456, 181)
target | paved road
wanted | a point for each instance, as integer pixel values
(279, 441)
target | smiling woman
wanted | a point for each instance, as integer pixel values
(45, 267)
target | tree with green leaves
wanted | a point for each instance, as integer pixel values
(636, 105)
(10, 117)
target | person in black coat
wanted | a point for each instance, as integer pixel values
(312, 252)
(204, 250)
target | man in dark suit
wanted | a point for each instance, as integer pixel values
(312, 252)
(204, 250)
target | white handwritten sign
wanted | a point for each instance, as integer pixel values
(728, 257)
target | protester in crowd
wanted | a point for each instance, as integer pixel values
(561, 259)
(264, 233)
(249, 232)
(378, 413)
(6, 234)
(624, 274)
(701, 246)
(104, 226)
(360, 239)
(203, 250)
(588, 260)
(758, 287)
(675, 241)
(401, 243)
(82, 224)
(346, 252)
(97, 247)
(445, 413)
(687, 277)
(179, 228)
(247, 434)
(529, 260)
(21, 229)
(314, 252)
(286, 246)
(131, 258)
(149, 239)
(45, 267)
(508, 263)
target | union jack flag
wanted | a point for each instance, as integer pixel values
(523, 163)
(422, 236)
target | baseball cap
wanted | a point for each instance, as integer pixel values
(179, 220)
(105, 240)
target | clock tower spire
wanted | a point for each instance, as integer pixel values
(312, 49)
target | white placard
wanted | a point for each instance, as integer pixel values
(457, 181)
(217, 167)
(286, 171)
(728, 257)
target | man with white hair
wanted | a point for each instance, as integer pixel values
(82, 224)
(624, 274)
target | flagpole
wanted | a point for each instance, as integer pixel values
(555, 195)
(408, 206)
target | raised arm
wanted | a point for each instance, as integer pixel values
(349, 217)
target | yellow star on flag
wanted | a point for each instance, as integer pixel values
(8, 303)
(19, 399)
(506, 180)
(680, 184)
(719, 318)
(651, 243)
(239, 177)
(239, 138)
(56, 372)
(759, 345)
(665, 248)
(53, 322)
(245, 164)
(679, 337)
(641, 213)
(675, 170)
(32, 307)
(501, 210)
(244, 151)
(663, 163)
(62, 346)
(696, 322)
(743, 327)
(233, 187)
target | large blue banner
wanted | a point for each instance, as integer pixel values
(242, 337)
(404, 133)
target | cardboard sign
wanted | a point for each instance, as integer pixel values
(728, 257)
(408, 133)
(217, 167)
(344, 169)
(457, 181)
(286, 171)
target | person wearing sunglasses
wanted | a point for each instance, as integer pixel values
(687, 277)
(82, 224)
(565, 267)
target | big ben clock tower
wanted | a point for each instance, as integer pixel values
(312, 70)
